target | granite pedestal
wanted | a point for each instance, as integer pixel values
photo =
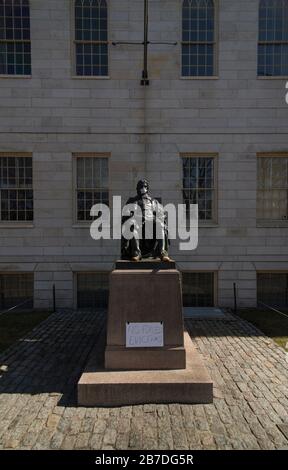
(145, 296)
(146, 293)
(99, 387)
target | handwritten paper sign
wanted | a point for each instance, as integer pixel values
(144, 335)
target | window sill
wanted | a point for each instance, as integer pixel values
(272, 224)
(214, 77)
(16, 225)
(210, 225)
(83, 77)
(87, 225)
(276, 77)
(203, 225)
(84, 225)
(15, 76)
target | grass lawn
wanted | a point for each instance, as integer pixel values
(271, 323)
(13, 325)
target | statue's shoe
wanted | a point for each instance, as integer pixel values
(135, 258)
(165, 258)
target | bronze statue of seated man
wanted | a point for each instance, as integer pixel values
(152, 219)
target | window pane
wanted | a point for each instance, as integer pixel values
(92, 59)
(92, 184)
(273, 29)
(91, 25)
(198, 176)
(14, 26)
(197, 59)
(104, 172)
(92, 290)
(16, 289)
(273, 60)
(80, 172)
(96, 172)
(16, 188)
(272, 289)
(272, 194)
(198, 27)
(198, 289)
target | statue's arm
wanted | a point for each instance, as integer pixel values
(131, 200)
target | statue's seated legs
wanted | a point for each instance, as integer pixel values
(150, 247)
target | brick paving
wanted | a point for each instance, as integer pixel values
(38, 396)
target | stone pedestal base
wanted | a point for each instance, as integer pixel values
(137, 359)
(140, 296)
(99, 387)
(145, 309)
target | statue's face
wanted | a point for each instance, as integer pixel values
(143, 188)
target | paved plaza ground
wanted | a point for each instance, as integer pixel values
(38, 395)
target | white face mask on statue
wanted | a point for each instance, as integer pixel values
(143, 190)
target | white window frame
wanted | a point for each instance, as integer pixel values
(18, 223)
(272, 42)
(214, 220)
(75, 156)
(19, 41)
(271, 222)
(74, 42)
(215, 75)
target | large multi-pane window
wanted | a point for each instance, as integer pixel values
(16, 188)
(272, 191)
(198, 289)
(92, 290)
(15, 46)
(16, 290)
(198, 38)
(199, 184)
(92, 185)
(91, 37)
(272, 289)
(273, 38)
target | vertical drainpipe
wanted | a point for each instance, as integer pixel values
(145, 83)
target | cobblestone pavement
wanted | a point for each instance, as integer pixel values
(38, 401)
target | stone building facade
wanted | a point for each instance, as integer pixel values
(233, 116)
